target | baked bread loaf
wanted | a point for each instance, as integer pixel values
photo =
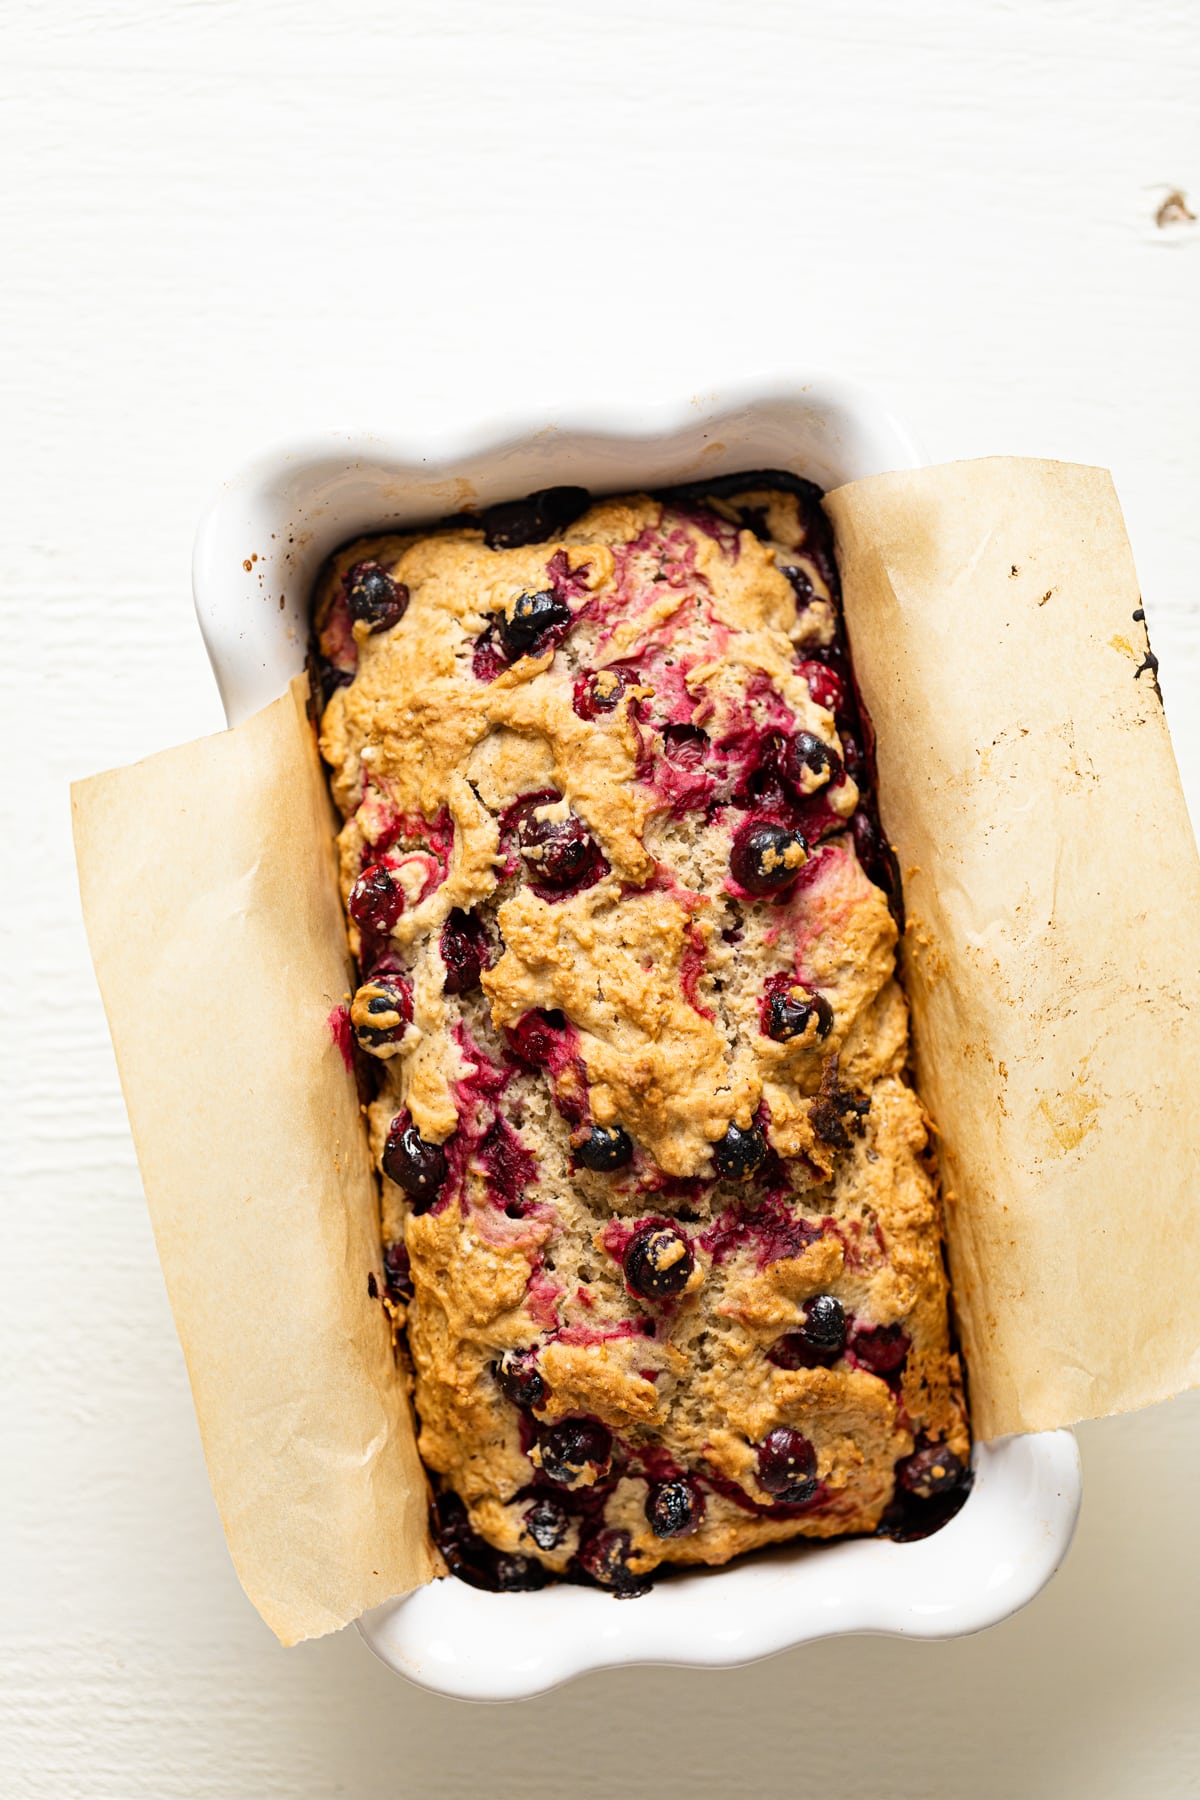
(659, 1211)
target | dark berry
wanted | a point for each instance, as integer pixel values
(537, 1037)
(824, 685)
(853, 760)
(808, 763)
(605, 1557)
(606, 1147)
(791, 1352)
(674, 1507)
(873, 851)
(529, 620)
(766, 857)
(684, 746)
(934, 1470)
(746, 481)
(912, 1516)
(572, 1447)
(417, 1167)
(833, 657)
(376, 899)
(764, 784)
(787, 1466)
(801, 582)
(381, 1013)
(881, 1348)
(512, 523)
(820, 1338)
(517, 1574)
(658, 1262)
(790, 1010)
(397, 1271)
(518, 1379)
(488, 660)
(739, 1153)
(824, 1325)
(326, 677)
(464, 948)
(600, 691)
(511, 1169)
(868, 839)
(374, 598)
(754, 518)
(557, 851)
(547, 1523)
(474, 1560)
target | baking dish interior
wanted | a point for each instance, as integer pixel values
(265, 536)
(257, 555)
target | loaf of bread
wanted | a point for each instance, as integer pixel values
(659, 1210)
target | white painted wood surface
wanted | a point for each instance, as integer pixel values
(222, 224)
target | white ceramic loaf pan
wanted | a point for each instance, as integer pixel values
(257, 554)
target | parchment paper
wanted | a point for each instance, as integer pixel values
(212, 909)
(1052, 956)
(1052, 952)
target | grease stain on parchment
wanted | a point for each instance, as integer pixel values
(1070, 1115)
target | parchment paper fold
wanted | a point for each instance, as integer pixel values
(216, 929)
(1052, 953)
(1052, 956)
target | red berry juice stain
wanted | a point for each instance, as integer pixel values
(568, 583)
(541, 1299)
(693, 967)
(722, 1484)
(342, 1033)
(602, 1334)
(769, 1230)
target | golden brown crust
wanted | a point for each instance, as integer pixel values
(649, 720)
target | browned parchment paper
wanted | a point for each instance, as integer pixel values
(1052, 951)
(212, 909)
(1052, 954)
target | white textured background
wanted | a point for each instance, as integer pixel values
(225, 222)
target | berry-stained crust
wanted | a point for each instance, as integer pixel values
(659, 1209)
